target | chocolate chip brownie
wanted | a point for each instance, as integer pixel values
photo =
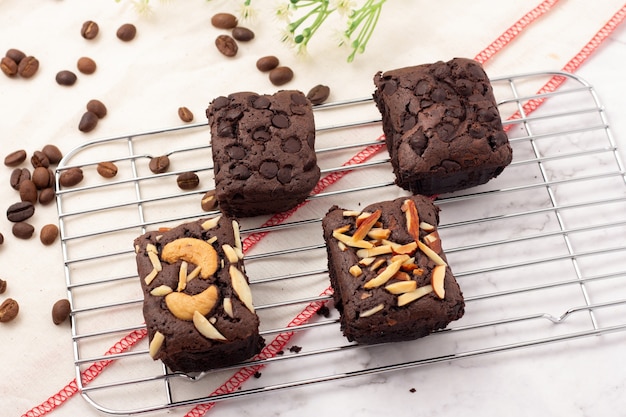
(442, 126)
(388, 271)
(263, 151)
(197, 301)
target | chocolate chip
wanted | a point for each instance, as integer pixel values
(261, 102)
(240, 172)
(450, 166)
(390, 87)
(285, 174)
(236, 152)
(439, 95)
(291, 145)
(225, 129)
(261, 134)
(422, 87)
(220, 102)
(268, 169)
(280, 121)
(418, 142)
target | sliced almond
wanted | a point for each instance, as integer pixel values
(355, 271)
(151, 276)
(241, 287)
(205, 327)
(161, 290)
(151, 248)
(342, 229)
(182, 276)
(378, 233)
(194, 274)
(211, 240)
(401, 287)
(211, 223)
(372, 311)
(401, 258)
(427, 227)
(408, 249)
(377, 263)
(228, 307)
(351, 213)
(362, 216)
(437, 279)
(365, 295)
(431, 254)
(374, 251)
(342, 246)
(347, 240)
(433, 241)
(154, 260)
(412, 218)
(384, 276)
(230, 253)
(237, 234)
(366, 225)
(409, 297)
(156, 343)
(402, 276)
(367, 261)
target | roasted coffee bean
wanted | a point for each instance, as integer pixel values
(267, 63)
(48, 234)
(28, 191)
(185, 114)
(107, 169)
(224, 20)
(71, 177)
(8, 310)
(318, 94)
(16, 55)
(41, 178)
(208, 201)
(53, 153)
(1, 238)
(28, 67)
(3, 284)
(86, 65)
(242, 34)
(97, 107)
(281, 75)
(23, 230)
(159, 164)
(88, 122)
(226, 45)
(60, 311)
(89, 30)
(15, 158)
(46, 196)
(187, 180)
(18, 212)
(66, 78)
(126, 32)
(8, 66)
(17, 176)
(39, 159)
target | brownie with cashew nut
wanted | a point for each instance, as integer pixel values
(390, 276)
(263, 149)
(197, 303)
(442, 126)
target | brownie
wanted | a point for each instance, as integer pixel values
(389, 275)
(263, 149)
(196, 296)
(442, 126)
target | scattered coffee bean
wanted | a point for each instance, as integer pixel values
(60, 311)
(53, 153)
(9, 310)
(187, 180)
(159, 164)
(18, 212)
(28, 191)
(97, 107)
(88, 122)
(16, 55)
(185, 114)
(267, 63)
(49, 234)
(39, 159)
(3, 286)
(23, 230)
(28, 67)
(15, 158)
(41, 178)
(107, 169)
(208, 202)
(281, 75)
(89, 30)
(46, 196)
(66, 78)
(242, 34)
(224, 20)
(86, 65)
(318, 94)
(17, 176)
(126, 32)
(226, 45)
(1, 238)
(71, 177)
(8, 66)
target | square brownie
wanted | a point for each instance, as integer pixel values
(197, 302)
(389, 274)
(263, 151)
(442, 126)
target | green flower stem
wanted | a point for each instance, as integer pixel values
(370, 12)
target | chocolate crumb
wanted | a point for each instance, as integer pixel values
(295, 349)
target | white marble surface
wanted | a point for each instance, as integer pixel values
(173, 63)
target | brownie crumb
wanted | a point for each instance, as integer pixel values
(323, 311)
(257, 375)
(412, 390)
(295, 349)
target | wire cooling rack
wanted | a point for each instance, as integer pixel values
(539, 252)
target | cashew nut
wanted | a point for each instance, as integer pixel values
(195, 251)
(183, 305)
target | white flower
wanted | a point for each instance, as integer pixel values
(287, 37)
(344, 7)
(247, 13)
(284, 12)
(142, 7)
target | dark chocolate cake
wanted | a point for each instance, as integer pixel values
(442, 126)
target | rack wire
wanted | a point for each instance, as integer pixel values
(538, 252)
